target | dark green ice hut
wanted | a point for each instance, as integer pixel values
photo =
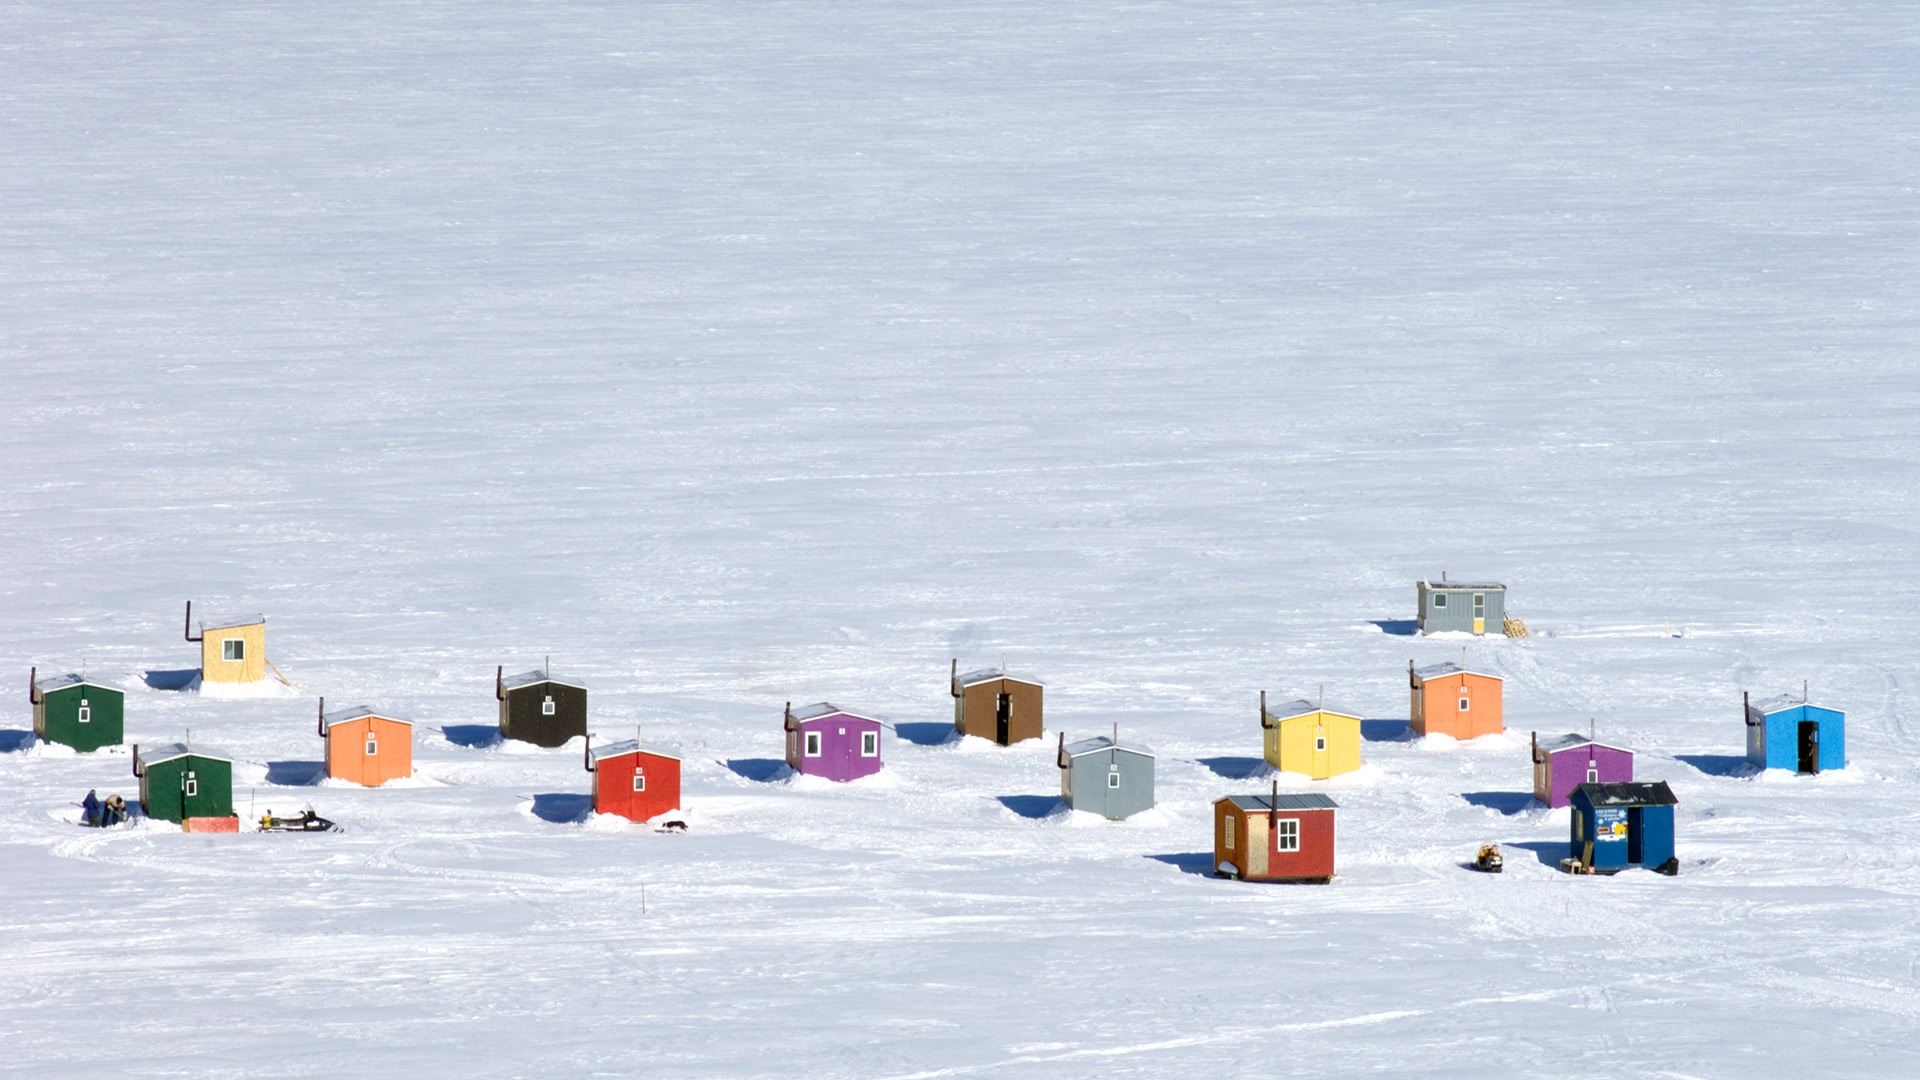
(73, 711)
(177, 783)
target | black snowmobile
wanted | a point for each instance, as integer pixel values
(307, 821)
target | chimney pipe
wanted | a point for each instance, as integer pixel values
(1273, 811)
(33, 685)
(586, 752)
(499, 692)
(187, 630)
(953, 680)
(320, 725)
(136, 759)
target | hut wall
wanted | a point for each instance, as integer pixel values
(613, 780)
(1294, 744)
(1567, 769)
(978, 708)
(523, 717)
(56, 717)
(1085, 786)
(347, 757)
(839, 757)
(163, 789)
(1437, 706)
(252, 667)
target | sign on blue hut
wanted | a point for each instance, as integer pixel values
(1788, 733)
(1616, 826)
(1102, 776)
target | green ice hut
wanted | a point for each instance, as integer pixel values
(74, 711)
(178, 783)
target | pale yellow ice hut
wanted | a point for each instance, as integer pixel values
(232, 649)
(1305, 737)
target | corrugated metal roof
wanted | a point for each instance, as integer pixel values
(1436, 671)
(1284, 802)
(1569, 741)
(624, 747)
(228, 622)
(1464, 586)
(1630, 793)
(61, 682)
(1102, 742)
(1783, 702)
(529, 678)
(1302, 707)
(158, 754)
(989, 675)
(358, 712)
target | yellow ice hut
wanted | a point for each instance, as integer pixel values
(232, 650)
(1302, 737)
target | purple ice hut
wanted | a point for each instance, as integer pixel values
(826, 740)
(1564, 762)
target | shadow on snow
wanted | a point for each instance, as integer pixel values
(1234, 768)
(472, 736)
(1549, 852)
(758, 769)
(1386, 730)
(1716, 764)
(1031, 806)
(562, 808)
(295, 773)
(170, 680)
(924, 734)
(1187, 862)
(1505, 802)
(1398, 627)
(12, 739)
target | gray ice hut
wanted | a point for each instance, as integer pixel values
(1101, 776)
(1466, 606)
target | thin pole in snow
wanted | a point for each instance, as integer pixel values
(643, 898)
(1803, 691)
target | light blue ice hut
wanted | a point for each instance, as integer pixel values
(1103, 776)
(1616, 826)
(1786, 734)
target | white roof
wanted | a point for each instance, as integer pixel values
(61, 682)
(823, 709)
(1572, 741)
(1435, 671)
(624, 747)
(1301, 707)
(158, 754)
(1465, 586)
(989, 675)
(1783, 702)
(229, 622)
(530, 678)
(1102, 742)
(358, 712)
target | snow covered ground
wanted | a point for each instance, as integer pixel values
(732, 354)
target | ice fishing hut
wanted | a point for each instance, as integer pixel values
(1564, 762)
(365, 747)
(75, 711)
(1106, 777)
(1274, 837)
(1616, 826)
(1308, 738)
(192, 787)
(1468, 607)
(1451, 699)
(994, 705)
(537, 708)
(233, 648)
(1788, 733)
(826, 740)
(632, 783)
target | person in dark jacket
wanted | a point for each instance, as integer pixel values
(90, 807)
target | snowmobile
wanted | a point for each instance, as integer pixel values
(307, 821)
(1489, 861)
(674, 825)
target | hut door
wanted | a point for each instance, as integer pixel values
(1002, 718)
(1634, 845)
(1809, 746)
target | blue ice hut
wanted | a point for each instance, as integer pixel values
(1616, 826)
(1786, 734)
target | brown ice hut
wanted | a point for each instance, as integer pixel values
(994, 705)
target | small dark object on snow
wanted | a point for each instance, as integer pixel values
(1489, 860)
(675, 825)
(308, 821)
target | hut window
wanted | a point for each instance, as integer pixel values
(813, 744)
(191, 785)
(233, 649)
(1593, 773)
(869, 744)
(86, 712)
(1113, 776)
(639, 781)
(373, 744)
(1320, 744)
(1229, 821)
(1286, 834)
(1479, 604)
(546, 707)
(1439, 599)
(1464, 703)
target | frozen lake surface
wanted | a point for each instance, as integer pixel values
(737, 354)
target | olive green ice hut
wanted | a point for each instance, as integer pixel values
(74, 711)
(537, 708)
(178, 783)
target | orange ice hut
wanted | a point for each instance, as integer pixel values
(366, 747)
(1452, 699)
